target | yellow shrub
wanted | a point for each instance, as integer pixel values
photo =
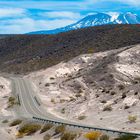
(93, 135)
(90, 50)
(132, 119)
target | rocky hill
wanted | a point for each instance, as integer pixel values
(26, 53)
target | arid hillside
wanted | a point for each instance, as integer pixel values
(26, 53)
(101, 88)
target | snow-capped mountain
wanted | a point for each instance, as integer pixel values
(97, 20)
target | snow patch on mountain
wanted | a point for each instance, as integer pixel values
(97, 19)
(114, 15)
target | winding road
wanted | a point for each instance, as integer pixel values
(31, 107)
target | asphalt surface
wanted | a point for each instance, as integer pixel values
(30, 104)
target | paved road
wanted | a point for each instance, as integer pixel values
(30, 103)
(31, 107)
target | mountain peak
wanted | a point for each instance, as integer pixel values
(97, 19)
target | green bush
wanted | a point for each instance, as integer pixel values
(29, 129)
(47, 137)
(46, 127)
(68, 136)
(126, 137)
(60, 129)
(15, 122)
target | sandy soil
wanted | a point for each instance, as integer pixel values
(5, 114)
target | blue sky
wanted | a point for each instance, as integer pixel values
(22, 16)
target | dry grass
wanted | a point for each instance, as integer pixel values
(107, 108)
(93, 135)
(68, 136)
(104, 137)
(126, 137)
(28, 129)
(47, 137)
(5, 121)
(11, 102)
(60, 129)
(132, 119)
(46, 127)
(81, 117)
(15, 122)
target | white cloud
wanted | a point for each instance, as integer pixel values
(130, 2)
(26, 25)
(62, 14)
(44, 4)
(134, 2)
(19, 20)
(11, 12)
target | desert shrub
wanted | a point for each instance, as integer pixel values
(60, 129)
(126, 137)
(68, 136)
(124, 95)
(103, 90)
(47, 84)
(78, 95)
(107, 91)
(107, 108)
(52, 100)
(113, 93)
(126, 107)
(11, 99)
(5, 121)
(90, 50)
(97, 95)
(15, 122)
(52, 78)
(72, 99)
(104, 137)
(11, 102)
(93, 135)
(62, 100)
(29, 129)
(46, 127)
(63, 110)
(132, 119)
(137, 79)
(47, 137)
(121, 87)
(103, 101)
(136, 93)
(81, 117)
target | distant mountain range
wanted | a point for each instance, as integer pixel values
(96, 20)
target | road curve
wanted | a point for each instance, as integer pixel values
(31, 107)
